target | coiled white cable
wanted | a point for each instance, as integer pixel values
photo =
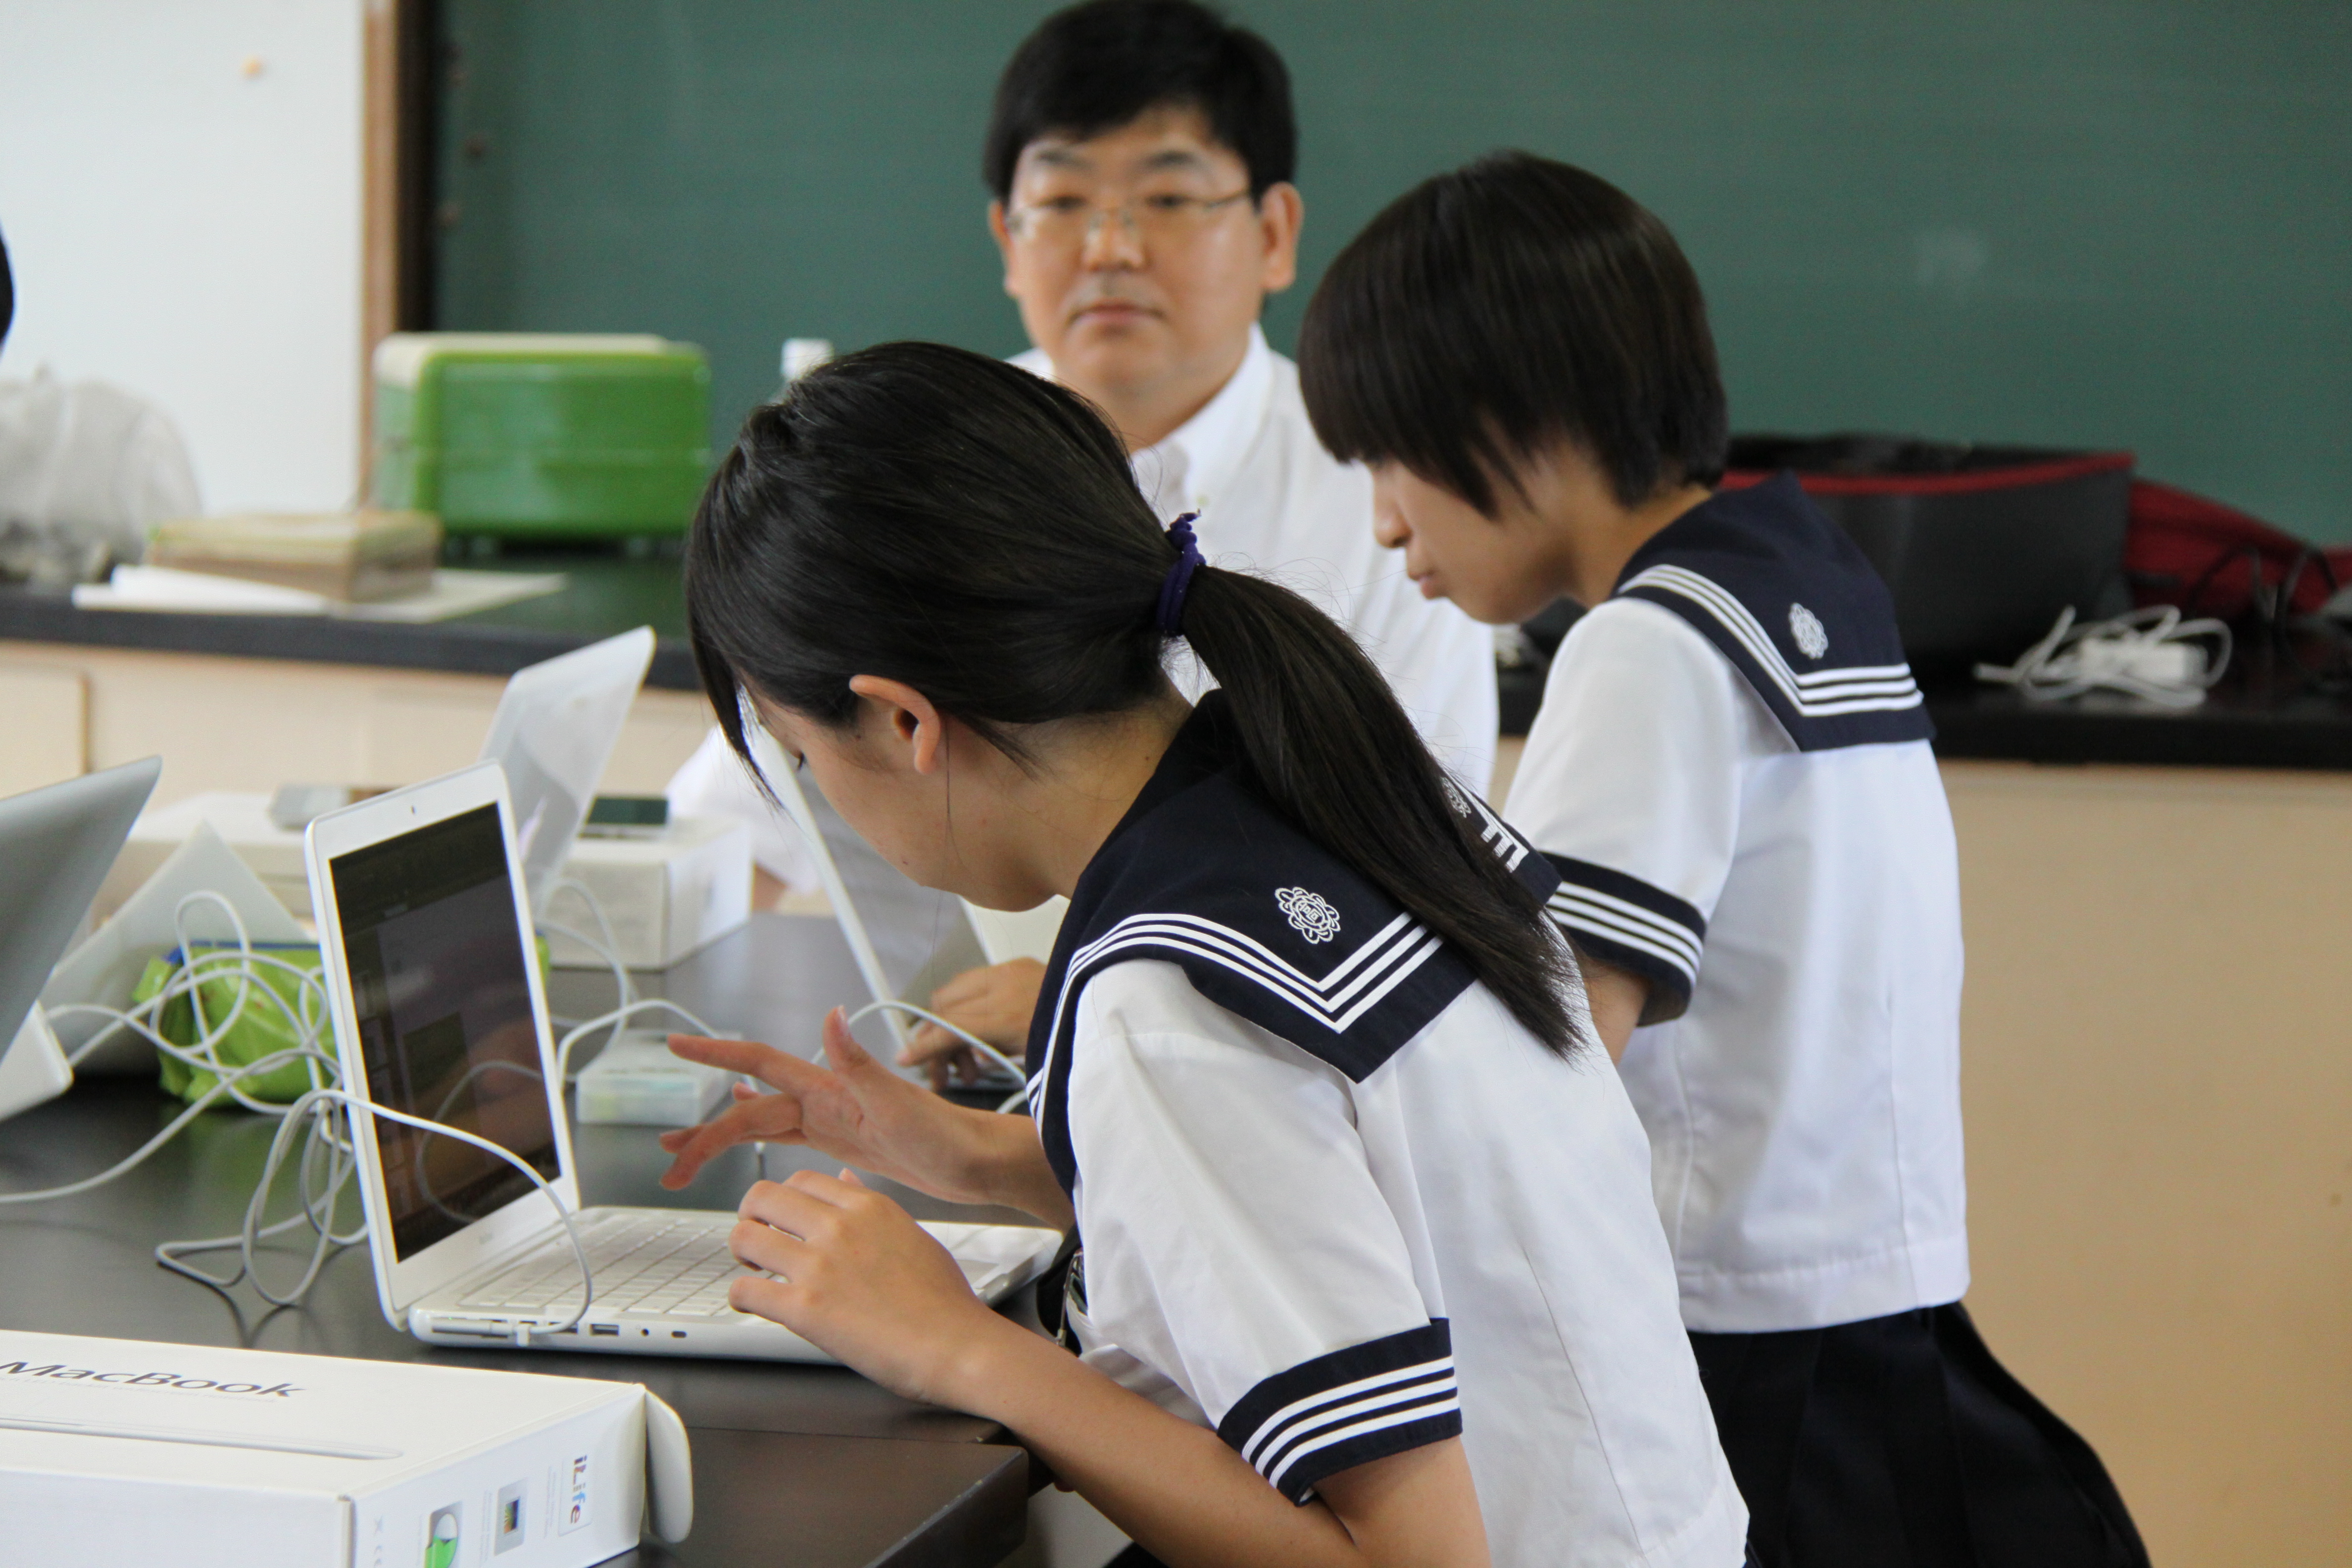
(308, 1107)
(307, 1018)
(2150, 654)
(323, 1141)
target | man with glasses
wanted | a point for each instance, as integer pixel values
(1140, 156)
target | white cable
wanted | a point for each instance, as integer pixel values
(649, 1005)
(320, 1193)
(2151, 654)
(307, 1016)
(252, 1232)
(1002, 1061)
(307, 1108)
(267, 1063)
(609, 950)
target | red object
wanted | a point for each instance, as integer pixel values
(2182, 549)
(2014, 476)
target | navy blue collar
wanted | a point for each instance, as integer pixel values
(1797, 608)
(1203, 872)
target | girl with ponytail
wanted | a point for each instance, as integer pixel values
(1372, 1272)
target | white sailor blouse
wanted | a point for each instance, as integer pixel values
(1337, 1203)
(1731, 773)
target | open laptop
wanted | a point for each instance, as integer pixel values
(555, 728)
(57, 844)
(438, 1011)
(907, 939)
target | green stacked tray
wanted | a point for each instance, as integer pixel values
(526, 436)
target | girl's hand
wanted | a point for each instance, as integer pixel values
(994, 1004)
(860, 1279)
(860, 1113)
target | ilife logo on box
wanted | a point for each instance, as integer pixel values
(575, 1513)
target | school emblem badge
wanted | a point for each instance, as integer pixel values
(1310, 915)
(1812, 637)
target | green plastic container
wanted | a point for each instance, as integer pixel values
(527, 436)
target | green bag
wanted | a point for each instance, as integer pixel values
(272, 1020)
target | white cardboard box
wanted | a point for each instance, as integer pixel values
(119, 1451)
(666, 895)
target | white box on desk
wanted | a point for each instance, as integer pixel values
(121, 1451)
(666, 895)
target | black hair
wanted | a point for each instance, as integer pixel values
(1513, 303)
(945, 519)
(1096, 67)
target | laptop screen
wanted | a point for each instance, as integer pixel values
(446, 1028)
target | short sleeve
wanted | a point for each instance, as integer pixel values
(1236, 1241)
(1630, 784)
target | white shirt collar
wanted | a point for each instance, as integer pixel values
(1192, 465)
(1189, 468)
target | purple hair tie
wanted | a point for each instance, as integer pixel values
(1179, 580)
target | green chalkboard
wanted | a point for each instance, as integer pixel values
(2097, 222)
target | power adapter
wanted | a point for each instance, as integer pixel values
(635, 1081)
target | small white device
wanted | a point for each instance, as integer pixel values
(123, 1451)
(439, 1013)
(56, 846)
(637, 1080)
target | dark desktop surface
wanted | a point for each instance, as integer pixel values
(606, 591)
(2266, 714)
(792, 1464)
(2269, 711)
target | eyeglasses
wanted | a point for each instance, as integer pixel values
(1069, 223)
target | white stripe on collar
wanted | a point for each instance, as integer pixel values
(1819, 694)
(1335, 1001)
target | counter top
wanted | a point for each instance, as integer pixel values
(2246, 724)
(2265, 715)
(607, 592)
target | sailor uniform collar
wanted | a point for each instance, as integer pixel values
(1793, 604)
(1203, 872)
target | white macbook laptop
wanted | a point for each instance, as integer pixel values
(56, 844)
(439, 1012)
(555, 728)
(907, 938)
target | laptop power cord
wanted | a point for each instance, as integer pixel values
(990, 1053)
(319, 1116)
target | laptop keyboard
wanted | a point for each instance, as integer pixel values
(673, 1265)
(676, 1266)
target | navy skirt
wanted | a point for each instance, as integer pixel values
(1899, 1442)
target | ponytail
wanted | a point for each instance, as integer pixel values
(1331, 748)
(926, 514)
